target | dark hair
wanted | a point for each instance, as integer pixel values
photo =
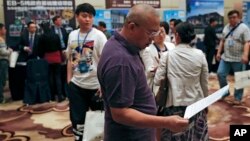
(101, 23)
(45, 26)
(186, 32)
(176, 22)
(165, 26)
(85, 7)
(29, 23)
(211, 20)
(55, 18)
(1, 25)
(233, 12)
(172, 20)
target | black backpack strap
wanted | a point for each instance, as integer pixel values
(232, 30)
(158, 49)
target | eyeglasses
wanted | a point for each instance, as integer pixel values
(150, 33)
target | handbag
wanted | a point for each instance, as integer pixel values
(162, 94)
(94, 126)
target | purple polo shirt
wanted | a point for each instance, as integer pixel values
(123, 82)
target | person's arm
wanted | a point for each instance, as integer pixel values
(204, 76)
(132, 117)
(22, 45)
(69, 60)
(220, 49)
(147, 60)
(161, 70)
(244, 58)
(69, 71)
(246, 39)
(120, 83)
(3, 49)
(101, 43)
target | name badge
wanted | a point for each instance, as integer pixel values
(230, 42)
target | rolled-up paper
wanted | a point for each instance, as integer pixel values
(13, 59)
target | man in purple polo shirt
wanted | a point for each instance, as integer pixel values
(130, 107)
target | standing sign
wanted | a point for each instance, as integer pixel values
(130, 3)
(19, 12)
(246, 13)
(200, 11)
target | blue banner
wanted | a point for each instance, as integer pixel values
(105, 16)
(246, 13)
(174, 14)
(200, 11)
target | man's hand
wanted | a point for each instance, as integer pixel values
(10, 50)
(218, 56)
(244, 59)
(27, 49)
(99, 92)
(177, 124)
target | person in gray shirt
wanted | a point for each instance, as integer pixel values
(4, 58)
(235, 48)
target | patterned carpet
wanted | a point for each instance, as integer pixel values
(224, 112)
(50, 121)
(43, 122)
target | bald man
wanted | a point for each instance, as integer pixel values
(130, 107)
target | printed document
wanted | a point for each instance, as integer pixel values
(198, 106)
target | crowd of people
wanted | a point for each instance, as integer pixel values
(127, 68)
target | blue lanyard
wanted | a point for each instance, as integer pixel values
(84, 40)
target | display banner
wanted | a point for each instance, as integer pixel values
(118, 17)
(200, 11)
(18, 13)
(130, 3)
(174, 14)
(246, 13)
(105, 16)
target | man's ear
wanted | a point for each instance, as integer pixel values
(131, 26)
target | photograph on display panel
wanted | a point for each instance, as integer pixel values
(246, 13)
(200, 11)
(18, 13)
(130, 3)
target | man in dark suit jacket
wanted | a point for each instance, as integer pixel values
(60, 31)
(63, 35)
(210, 40)
(28, 43)
(28, 50)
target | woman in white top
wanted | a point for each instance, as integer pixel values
(187, 73)
(152, 54)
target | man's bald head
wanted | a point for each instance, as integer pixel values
(141, 25)
(140, 14)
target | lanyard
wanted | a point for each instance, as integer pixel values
(84, 40)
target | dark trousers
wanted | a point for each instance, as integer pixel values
(3, 76)
(17, 78)
(210, 52)
(80, 100)
(55, 81)
(65, 89)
